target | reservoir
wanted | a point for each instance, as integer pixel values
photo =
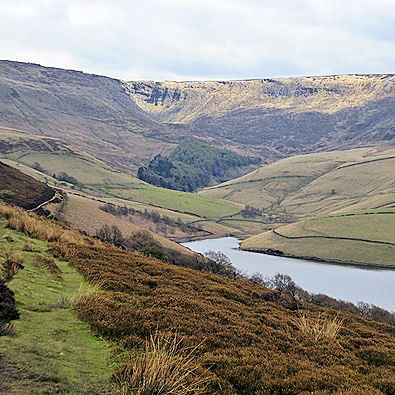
(350, 283)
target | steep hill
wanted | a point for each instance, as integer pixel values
(22, 190)
(279, 116)
(317, 184)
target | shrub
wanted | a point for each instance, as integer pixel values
(222, 264)
(141, 239)
(155, 252)
(164, 367)
(8, 310)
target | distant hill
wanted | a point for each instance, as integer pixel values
(22, 190)
(127, 123)
(279, 117)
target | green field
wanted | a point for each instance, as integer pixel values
(52, 350)
(372, 227)
(183, 202)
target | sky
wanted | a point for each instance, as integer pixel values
(201, 39)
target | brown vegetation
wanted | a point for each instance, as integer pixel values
(15, 184)
(247, 342)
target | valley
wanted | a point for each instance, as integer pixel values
(287, 175)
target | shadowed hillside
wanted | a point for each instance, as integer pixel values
(22, 190)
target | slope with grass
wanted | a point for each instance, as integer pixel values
(49, 348)
(365, 238)
(96, 180)
(244, 338)
(317, 184)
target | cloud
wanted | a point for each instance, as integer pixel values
(201, 39)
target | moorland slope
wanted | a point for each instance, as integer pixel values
(22, 190)
(245, 338)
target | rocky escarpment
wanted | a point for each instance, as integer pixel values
(289, 115)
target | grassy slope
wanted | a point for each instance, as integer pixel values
(85, 214)
(377, 227)
(123, 189)
(52, 350)
(316, 183)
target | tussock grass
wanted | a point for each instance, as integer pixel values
(85, 292)
(30, 247)
(320, 327)
(48, 263)
(37, 227)
(164, 367)
(7, 329)
(8, 237)
(12, 263)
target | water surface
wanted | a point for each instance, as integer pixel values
(350, 283)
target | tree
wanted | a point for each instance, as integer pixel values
(221, 264)
(38, 167)
(110, 234)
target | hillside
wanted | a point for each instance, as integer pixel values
(89, 112)
(282, 116)
(22, 190)
(80, 212)
(244, 338)
(365, 238)
(316, 184)
(193, 165)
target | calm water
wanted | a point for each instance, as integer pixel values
(354, 284)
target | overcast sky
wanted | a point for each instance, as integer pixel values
(201, 39)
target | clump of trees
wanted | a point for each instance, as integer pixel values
(63, 176)
(37, 166)
(192, 165)
(251, 212)
(222, 264)
(152, 216)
